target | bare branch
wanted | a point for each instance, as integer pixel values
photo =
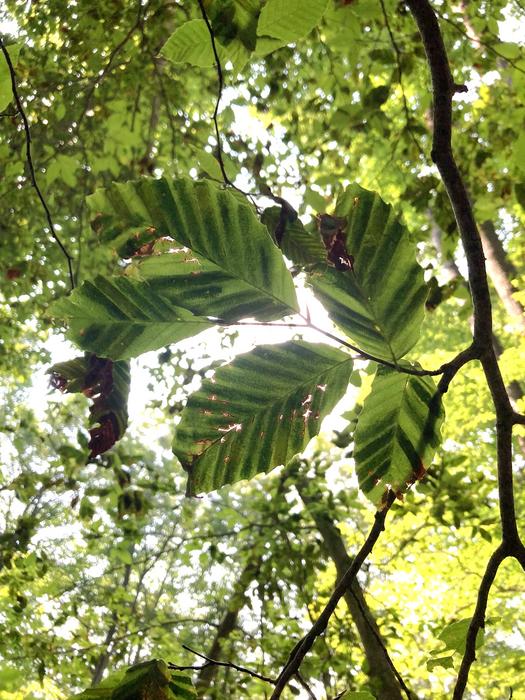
(444, 89)
(304, 645)
(30, 165)
(225, 664)
(219, 93)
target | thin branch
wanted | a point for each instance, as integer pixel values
(225, 664)
(489, 47)
(219, 93)
(448, 369)
(444, 89)
(305, 685)
(304, 645)
(478, 620)
(382, 644)
(29, 159)
(397, 52)
(518, 418)
(114, 53)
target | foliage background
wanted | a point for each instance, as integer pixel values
(105, 563)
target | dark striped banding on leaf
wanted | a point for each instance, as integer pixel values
(118, 317)
(397, 433)
(298, 244)
(379, 303)
(106, 383)
(258, 412)
(218, 264)
(217, 226)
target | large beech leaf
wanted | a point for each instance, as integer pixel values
(397, 433)
(121, 318)
(222, 264)
(258, 412)
(380, 302)
(106, 383)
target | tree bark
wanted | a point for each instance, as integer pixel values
(380, 668)
(514, 388)
(501, 271)
(228, 623)
(102, 661)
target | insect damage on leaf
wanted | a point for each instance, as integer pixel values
(332, 230)
(106, 383)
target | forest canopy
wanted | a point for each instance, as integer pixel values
(262, 348)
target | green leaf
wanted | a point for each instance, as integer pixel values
(441, 662)
(190, 43)
(381, 303)
(223, 265)
(298, 244)
(508, 50)
(519, 191)
(6, 91)
(258, 412)
(121, 318)
(377, 96)
(150, 680)
(107, 384)
(397, 433)
(284, 21)
(518, 153)
(211, 166)
(454, 636)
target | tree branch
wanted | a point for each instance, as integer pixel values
(478, 620)
(215, 662)
(30, 165)
(219, 93)
(444, 89)
(304, 645)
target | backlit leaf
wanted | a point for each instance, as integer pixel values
(380, 304)
(222, 263)
(397, 433)
(284, 21)
(190, 43)
(150, 680)
(258, 412)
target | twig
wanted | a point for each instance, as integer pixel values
(29, 159)
(219, 93)
(225, 664)
(489, 47)
(448, 369)
(478, 620)
(381, 643)
(304, 645)
(115, 51)
(305, 685)
(397, 52)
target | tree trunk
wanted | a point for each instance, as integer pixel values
(228, 622)
(501, 271)
(102, 661)
(380, 668)
(497, 253)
